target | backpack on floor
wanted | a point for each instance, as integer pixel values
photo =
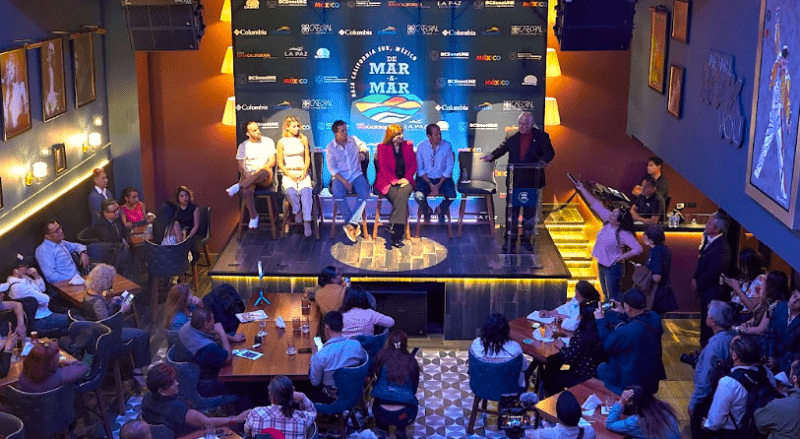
(759, 393)
(225, 303)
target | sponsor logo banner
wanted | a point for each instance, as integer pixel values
(283, 30)
(450, 4)
(497, 82)
(316, 29)
(322, 53)
(517, 105)
(527, 30)
(486, 106)
(443, 82)
(295, 81)
(448, 107)
(316, 104)
(260, 79)
(243, 54)
(487, 57)
(422, 29)
(355, 32)
(269, 125)
(283, 105)
(363, 4)
(297, 52)
(530, 80)
(436, 54)
(491, 32)
(459, 33)
(252, 4)
(327, 5)
(499, 3)
(524, 56)
(368, 126)
(329, 79)
(388, 30)
(407, 4)
(475, 126)
(252, 32)
(534, 4)
(380, 84)
(292, 3)
(252, 107)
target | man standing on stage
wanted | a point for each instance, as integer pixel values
(345, 154)
(435, 172)
(781, 111)
(527, 145)
(256, 159)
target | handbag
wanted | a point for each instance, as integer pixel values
(664, 300)
(643, 278)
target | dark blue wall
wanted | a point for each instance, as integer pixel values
(691, 145)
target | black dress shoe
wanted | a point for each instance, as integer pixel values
(398, 243)
(508, 247)
(527, 246)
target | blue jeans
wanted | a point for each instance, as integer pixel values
(360, 188)
(53, 322)
(611, 279)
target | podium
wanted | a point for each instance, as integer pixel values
(525, 182)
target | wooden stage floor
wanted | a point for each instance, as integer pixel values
(433, 255)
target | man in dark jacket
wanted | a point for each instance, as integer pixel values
(528, 145)
(109, 228)
(715, 256)
(633, 346)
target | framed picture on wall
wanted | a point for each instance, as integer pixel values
(54, 94)
(680, 20)
(83, 67)
(675, 90)
(773, 158)
(59, 158)
(16, 95)
(659, 19)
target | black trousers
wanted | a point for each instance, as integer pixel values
(528, 224)
(398, 196)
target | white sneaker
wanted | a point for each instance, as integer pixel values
(253, 224)
(233, 190)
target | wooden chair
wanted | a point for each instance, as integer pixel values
(378, 205)
(420, 214)
(316, 204)
(479, 181)
(271, 195)
(365, 234)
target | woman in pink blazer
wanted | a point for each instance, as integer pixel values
(396, 166)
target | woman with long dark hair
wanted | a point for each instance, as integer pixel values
(585, 351)
(748, 287)
(570, 311)
(396, 164)
(495, 343)
(648, 417)
(615, 242)
(188, 215)
(395, 389)
(776, 289)
(358, 316)
(290, 412)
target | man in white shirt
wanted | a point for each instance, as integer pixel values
(256, 159)
(98, 193)
(345, 154)
(435, 172)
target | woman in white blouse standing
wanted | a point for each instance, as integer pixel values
(614, 238)
(294, 159)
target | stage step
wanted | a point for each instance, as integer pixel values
(568, 230)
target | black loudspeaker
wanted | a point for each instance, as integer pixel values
(408, 308)
(594, 24)
(164, 24)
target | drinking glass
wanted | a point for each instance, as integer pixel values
(210, 432)
(290, 347)
(610, 401)
(262, 328)
(296, 325)
(306, 325)
(305, 305)
(548, 331)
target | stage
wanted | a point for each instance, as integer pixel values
(475, 277)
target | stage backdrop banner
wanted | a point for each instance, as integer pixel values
(471, 66)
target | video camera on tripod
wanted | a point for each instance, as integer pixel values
(513, 415)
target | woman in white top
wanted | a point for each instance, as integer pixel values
(747, 289)
(569, 313)
(616, 235)
(25, 281)
(495, 344)
(294, 160)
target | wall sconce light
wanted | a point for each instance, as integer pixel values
(39, 171)
(226, 11)
(98, 121)
(553, 69)
(95, 140)
(551, 116)
(227, 62)
(229, 115)
(551, 12)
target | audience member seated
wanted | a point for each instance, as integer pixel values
(359, 318)
(109, 228)
(616, 235)
(187, 214)
(8, 345)
(294, 159)
(659, 262)
(135, 429)
(15, 307)
(54, 254)
(784, 334)
(779, 417)
(255, 159)
(98, 193)
(163, 406)
(648, 417)
(209, 347)
(344, 155)
(336, 353)
(495, 344)
(100, 304)
(174, 234)
(648, 207)
(42, 370)
(748, 287)
(180, 304)
(330, 294)
(24, 281)
(776, 289)
(568, 411)
(730, 399)
(569, 312)
(633, 347)
(134, 212)
(395, 389)
(583, 354)
(395, 178)
(435, 161)
(654, 165)
(719, 319)
(290, 412)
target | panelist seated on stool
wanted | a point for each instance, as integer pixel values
(345, 157)
(435, 161)
(255, 159)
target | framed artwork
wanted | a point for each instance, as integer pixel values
(54, 94)
(59, 158)
(772, 157)
(16, 95)
(675, 90)
(680, 20)
(659, 17)
(83, 66)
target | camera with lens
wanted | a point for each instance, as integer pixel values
(514, 415)
(690, 358)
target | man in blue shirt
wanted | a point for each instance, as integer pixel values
(435, 172)
(336, 353)
(54, 254)
(345, 154)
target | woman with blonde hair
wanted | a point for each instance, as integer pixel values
(396, 166)
(101, 303)
(294, 159)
